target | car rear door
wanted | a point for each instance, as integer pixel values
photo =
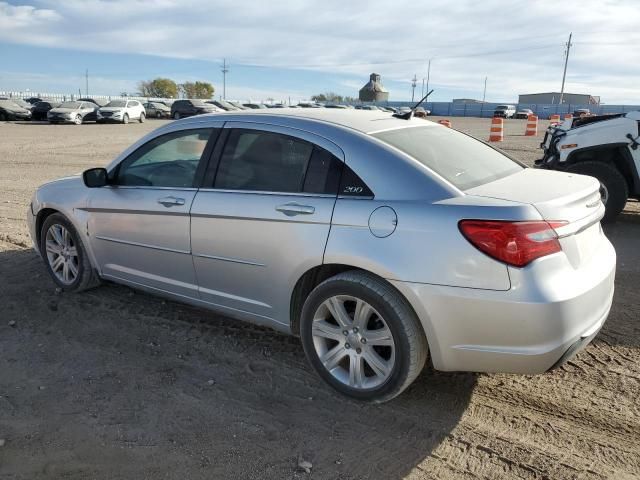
(262, 217)
(139, 224)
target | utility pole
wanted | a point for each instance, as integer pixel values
(484, 92)
(225, 70)
(428, 74)
(422, 91)
(86, 81)
(566, 61)
(414, 82)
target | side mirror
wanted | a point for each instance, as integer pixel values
(95, 177)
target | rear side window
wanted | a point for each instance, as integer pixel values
(323, 172)
(462, 160)
(263, 161)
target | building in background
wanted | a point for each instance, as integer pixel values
(554, 98)
(373, 91)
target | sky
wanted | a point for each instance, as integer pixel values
(290, 50)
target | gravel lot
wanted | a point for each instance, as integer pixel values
(114, 383)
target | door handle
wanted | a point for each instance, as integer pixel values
(292, 209)
(171, 201)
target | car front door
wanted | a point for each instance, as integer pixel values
(262, 217)
(139, 223)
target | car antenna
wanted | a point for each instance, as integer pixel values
(408, 115)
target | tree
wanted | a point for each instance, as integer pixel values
(197, 89)
(330, 97)
(159, 87)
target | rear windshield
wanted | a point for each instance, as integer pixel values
(459, 158)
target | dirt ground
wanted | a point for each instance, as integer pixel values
(113, 383)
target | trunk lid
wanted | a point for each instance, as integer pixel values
(557, 196)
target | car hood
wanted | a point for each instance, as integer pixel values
(16, 109)
(556, 195)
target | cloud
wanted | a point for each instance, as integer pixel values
(517, 44)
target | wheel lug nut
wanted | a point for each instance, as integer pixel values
(347, 346)
(358, 350)
(355, 329)
(363, 340)
(345, 333)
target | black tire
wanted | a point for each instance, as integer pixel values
(411, 348)
(142, 117)
(176, 116)
(158, 114)
(3, 117)
(87, 277)
(617, 190)
(125, 118)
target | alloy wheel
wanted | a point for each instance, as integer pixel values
(353, 342)
(62, 254)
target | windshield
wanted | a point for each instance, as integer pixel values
(502, 107)
(72, 105)
(459, 158)
(8, 104)
(116, 103)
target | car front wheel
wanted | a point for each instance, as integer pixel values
(65, 256)
(142, 117)
(78, 120)
(362, 337)
(176, 116)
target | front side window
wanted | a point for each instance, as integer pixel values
(462, 160)
(263, 161)
(167, 161)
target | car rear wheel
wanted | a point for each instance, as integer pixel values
(613, 187)
(158, 114)
(65, 256)
(142, 117)
(362, 337)
(78, 120)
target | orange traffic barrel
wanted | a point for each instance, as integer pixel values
(497, 130)
(445, 122)
(532, 126)
(568, 116)
(555, 118)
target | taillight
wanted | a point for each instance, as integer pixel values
(514, 243)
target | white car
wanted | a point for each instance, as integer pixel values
(505, 111)
(121, 111)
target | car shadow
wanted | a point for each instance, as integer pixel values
(135, 381)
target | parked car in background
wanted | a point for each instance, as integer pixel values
(41, 109)
(9, 110)
(238, 105)
(321, 223)
(504, 111)
(188, 108)
(335, 105)
(255, 106)
(121, 111)
(224, 105)
(157, 110)
(523, 113)
(581, 112)
(309, 105)
(33, 100)
(74, 111)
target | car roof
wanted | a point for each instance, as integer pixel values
(365, 121)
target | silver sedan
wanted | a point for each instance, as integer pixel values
(382, 242)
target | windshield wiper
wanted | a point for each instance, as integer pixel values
(408, 115)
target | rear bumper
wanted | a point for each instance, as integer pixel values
(540, 322)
